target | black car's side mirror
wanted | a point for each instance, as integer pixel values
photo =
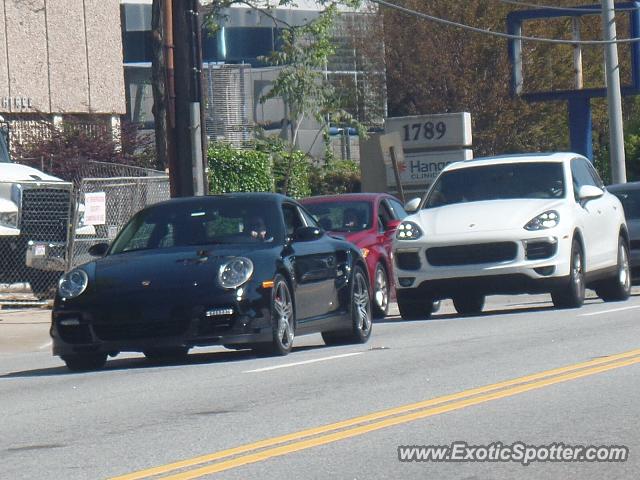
(98, 250)
(306, 234)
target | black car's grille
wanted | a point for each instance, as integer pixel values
(136, 331)
(408, 260)
(540, 250)
(45, 214)
(214, 326)
(472, 254)
(635, 244)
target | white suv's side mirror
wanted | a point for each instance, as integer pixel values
(412, 205)
(589, 192)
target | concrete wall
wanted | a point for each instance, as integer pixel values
(61, 57)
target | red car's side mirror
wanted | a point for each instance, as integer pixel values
(392, 225)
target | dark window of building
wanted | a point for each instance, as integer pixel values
(239, 44)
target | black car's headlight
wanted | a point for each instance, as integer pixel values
(73, 283)
(408, 231)
(544, 221)
(235, 271)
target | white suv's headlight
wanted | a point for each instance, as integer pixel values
(408, 231)
(544, 221)
(9, 219)
(73, 283)
(235, 271)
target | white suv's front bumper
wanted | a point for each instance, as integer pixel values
(533, 272)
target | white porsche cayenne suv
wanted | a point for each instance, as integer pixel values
(538, 223)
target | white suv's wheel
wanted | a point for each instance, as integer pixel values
(572, 294)
(617, 287)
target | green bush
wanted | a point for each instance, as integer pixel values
(235, 170)
(335, 177)
(298, 165)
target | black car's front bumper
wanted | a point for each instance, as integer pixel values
(129, 326)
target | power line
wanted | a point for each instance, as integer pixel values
(509, 36)
(588, 8)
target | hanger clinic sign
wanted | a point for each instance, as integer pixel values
(430, 142)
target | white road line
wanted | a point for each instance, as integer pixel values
(45, 345)
(305, 362)
(601, 312)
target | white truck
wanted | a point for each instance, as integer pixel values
(35, 223)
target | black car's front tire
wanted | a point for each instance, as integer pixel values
(85, 362)
(360, 312)
(282, 320)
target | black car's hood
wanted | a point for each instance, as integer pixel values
(170, 269)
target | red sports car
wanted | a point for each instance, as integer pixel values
(369, 220)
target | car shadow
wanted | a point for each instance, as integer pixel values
(513, 309)
(138, 363)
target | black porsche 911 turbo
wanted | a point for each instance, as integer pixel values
(245, 270)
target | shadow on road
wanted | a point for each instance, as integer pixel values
(196, 358)
(513, 309)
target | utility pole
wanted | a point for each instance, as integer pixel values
(614, 99)
(189, 174)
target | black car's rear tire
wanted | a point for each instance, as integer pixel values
(415, 310)
(618, 287)
(572, 294)
(471, 304)
(167, 354)
(360, 313)
(380, 292)
(85, 362)
(282, 320)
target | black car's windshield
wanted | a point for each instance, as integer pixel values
(342, 216)
(224, 221)
(4, 151)
(498, 182)
(630, 200)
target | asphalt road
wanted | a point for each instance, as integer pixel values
(520, 372)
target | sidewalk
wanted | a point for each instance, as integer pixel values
(25, 330)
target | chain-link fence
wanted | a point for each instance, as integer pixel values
(48, 226)
(105, 205)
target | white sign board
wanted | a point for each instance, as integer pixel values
(447, 130)
(95, 208)
(421, 168)
(389, 141)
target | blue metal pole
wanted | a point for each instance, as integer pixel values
(580, 126)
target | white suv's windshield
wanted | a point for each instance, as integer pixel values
(498, 182)
(4, 151)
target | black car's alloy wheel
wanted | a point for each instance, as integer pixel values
(618, 287)
(470, 304)
(572, 294)
(361, 318)
(282, 320)
(380, 292)
(84, 362)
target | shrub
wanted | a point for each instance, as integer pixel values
(334, 177)
(234, 170)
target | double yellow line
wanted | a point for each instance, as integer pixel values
(285, 444)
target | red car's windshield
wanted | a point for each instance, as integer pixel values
(342, 216)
